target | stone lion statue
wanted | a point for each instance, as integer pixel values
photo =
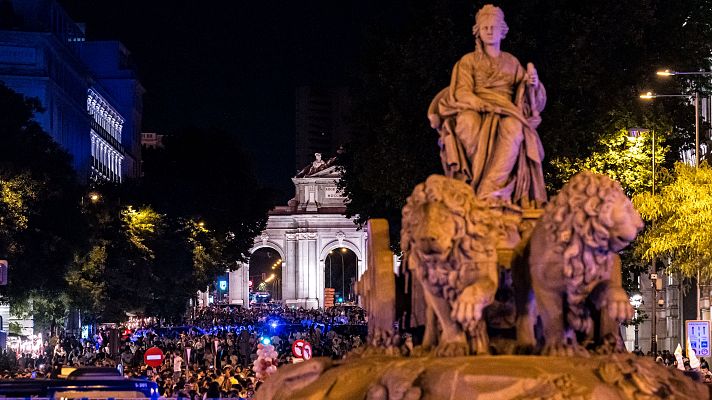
(450, 239)
(572, 267)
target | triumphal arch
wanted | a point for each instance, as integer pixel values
(303, 233)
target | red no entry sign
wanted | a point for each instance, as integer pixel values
(153, 357)
(302, 349)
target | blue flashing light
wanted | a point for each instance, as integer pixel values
(340, 300)
(265, 341)
(273, 324)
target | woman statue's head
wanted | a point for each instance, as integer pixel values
(489, 25)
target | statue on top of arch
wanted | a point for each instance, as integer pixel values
(316, 166)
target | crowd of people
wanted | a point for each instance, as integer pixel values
(698, 369)
(211, 355)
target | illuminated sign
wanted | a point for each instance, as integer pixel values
(222, 284)
(698, 333)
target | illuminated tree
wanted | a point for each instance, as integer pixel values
(622, 157)
(681, 215)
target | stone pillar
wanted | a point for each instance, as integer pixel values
(289, 271)
(302, 268)
(312, 286)
(239, 286)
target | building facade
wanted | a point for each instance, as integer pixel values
(91, 96)
(303, 233)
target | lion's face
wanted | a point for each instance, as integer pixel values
(626, 225)
(436, 230)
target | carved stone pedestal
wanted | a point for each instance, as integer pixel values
(616, 377)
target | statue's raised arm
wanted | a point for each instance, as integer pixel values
(487, 119)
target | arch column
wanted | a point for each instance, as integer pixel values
(289, 271)
(313, 289)
(239, 286)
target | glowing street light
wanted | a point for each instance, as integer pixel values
(636, 300)
(696, 97)
(667, 72)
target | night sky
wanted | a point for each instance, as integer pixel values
(232, 65)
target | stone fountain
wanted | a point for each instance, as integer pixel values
(520, 295)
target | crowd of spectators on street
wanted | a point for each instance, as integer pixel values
(698, 370)
(210, 355)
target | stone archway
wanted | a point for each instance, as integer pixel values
(265, 271)
(239, 280)
(341, 265)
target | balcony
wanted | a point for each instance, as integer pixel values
(107, 136)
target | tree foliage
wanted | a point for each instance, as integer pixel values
(206, 176)
(626, 159)
(40, 220)
(681, 215)
(142, 262)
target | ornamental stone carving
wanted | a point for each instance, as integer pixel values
(450, 239)
(574, 268)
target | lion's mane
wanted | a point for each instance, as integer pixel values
(478, 227)
(577, 222)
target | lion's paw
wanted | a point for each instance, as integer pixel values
(611, 345)
(564, 350)
(455, 348)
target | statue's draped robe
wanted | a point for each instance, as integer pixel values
(501, 84)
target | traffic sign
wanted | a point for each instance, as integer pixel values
(302, 349)
(698, 334)
(153, 357)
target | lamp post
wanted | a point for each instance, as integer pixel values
(696, 96)
(329, 258)
(636, 300)
(666, 73)
(654, 274)
(343, 279)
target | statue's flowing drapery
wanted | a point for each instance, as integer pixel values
(501, 85)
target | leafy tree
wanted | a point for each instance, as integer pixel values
(594, 59)
(40, 219)
(205, 176)
(143, 262)
(622, 157)
(681, 215)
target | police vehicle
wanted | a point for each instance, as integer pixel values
(81, 383)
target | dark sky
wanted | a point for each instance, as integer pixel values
(231, 64)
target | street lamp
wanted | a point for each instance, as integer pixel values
(343, 279)
(636, 300)
(329, 258)
(634, 132)
(696, 98)
(667, 72)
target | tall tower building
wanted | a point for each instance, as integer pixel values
(323, 124)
